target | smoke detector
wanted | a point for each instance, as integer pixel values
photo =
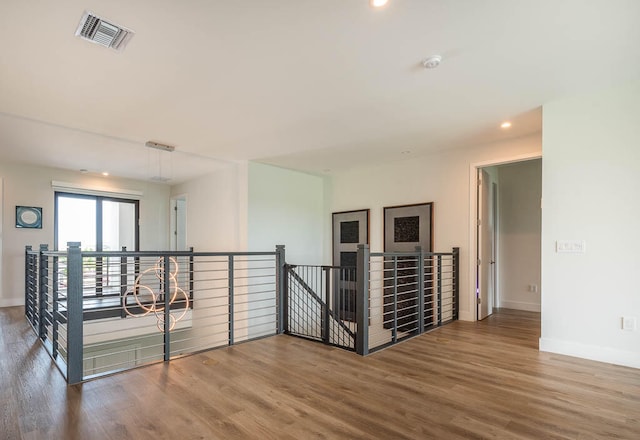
(103, 32)
(432, 62)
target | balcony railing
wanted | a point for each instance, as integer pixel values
(386, 298)
(102, 312)
(166, 304)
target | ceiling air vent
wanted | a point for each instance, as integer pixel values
(100, 31)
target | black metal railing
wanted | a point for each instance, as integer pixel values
(410, 293)
(166, 304)
(321, 304)
(385, 299)
(169, 304)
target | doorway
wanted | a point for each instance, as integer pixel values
(507, 236)
(178, 223)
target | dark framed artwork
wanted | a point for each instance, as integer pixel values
(28, 217)
(350, 228)
(408, 226)
(405, 228)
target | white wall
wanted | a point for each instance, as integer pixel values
(31, 186)
(519, 193)
(442, 178)
(591, 183)
(217, 209)
(286, 207)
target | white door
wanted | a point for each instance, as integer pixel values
(485, 276)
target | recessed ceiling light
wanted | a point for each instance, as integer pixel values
(378, 3)
(105, 174)
(505, 124)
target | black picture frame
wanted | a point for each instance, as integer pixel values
(424, 214)
(349, 229)
(28, 217)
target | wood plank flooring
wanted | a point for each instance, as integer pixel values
(463, 381)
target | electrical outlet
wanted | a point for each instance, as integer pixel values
(629, 323)
(532, 288)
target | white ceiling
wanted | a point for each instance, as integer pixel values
(306, 84)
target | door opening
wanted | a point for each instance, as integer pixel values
(507, 236)
(178, 240)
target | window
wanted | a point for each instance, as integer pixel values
(99, 224)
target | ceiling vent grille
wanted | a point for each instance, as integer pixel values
(102, 32)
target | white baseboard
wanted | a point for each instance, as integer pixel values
(592, 352)
(12, 302)
(518, 305)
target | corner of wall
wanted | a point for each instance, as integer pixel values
(591, 352)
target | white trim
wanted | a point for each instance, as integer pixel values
(78, 188)
(592, 352)
(520, 305)
(473, 202)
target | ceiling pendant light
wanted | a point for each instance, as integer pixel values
(163, 149)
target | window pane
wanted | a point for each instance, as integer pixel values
(118, 225)
(76, 222)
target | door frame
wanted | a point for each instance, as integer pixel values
(473, 210)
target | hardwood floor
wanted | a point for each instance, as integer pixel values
(465, 380)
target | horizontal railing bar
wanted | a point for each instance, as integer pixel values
(409, 254)
(141, 254)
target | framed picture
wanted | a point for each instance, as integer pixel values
(28, 217)
(408, 226)
(350, 228)
(405, 228)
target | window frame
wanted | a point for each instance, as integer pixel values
(99, 199)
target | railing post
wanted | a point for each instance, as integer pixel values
(394, 330)
(439, 290)
(285, 298)
(55, 302)
(362, 300)
(166, 281)
(43, 269)
(74, 313)
(27, 278)
(456, 285)
(281, 288)
(123, 283)
(231, 311)
(420, 252)
(191, 277)
(326, 335)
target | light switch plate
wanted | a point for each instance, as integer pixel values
(629, 323)
(571, 246)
